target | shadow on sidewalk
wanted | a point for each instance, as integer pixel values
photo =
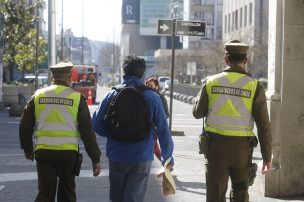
(189, 186)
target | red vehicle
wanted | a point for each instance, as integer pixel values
(84, 79)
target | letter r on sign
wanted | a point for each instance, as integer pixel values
(129, 10)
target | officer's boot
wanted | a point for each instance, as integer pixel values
(239, 194)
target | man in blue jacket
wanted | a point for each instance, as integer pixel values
(130, 162)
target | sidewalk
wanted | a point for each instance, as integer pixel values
(18, 178)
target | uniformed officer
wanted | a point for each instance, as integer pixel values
(231, 101)
(58, 117)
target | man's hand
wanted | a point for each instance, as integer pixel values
(96, 169)
(170, 167)
(266, 167)
(29, 155)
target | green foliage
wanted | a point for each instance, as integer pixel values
(25, 54)
(19, 34)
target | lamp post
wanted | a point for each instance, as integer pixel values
(82, 56)
(61, 31)
(1, 61)
(37, 46)
(174, 16)
(51, 35)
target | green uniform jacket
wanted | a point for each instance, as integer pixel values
(87, 135)
(259, 113)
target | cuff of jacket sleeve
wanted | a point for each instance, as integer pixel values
(171, 161)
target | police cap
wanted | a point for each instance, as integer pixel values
(236, 47)
(62, 67)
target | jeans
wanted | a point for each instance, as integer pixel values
(128, 181)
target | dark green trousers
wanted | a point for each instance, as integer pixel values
(228, 157)
(56, 167)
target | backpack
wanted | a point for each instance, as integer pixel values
(127, 117)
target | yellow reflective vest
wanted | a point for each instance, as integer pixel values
(56, 109)
(230, 98)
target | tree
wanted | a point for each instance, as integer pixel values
(109, 56)
(20, 36)
(213, 59)
(25, 57)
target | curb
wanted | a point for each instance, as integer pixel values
(177, 133)
(182, 97)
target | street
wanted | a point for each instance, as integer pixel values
(18, 178)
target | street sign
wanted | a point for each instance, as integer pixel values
(183, 28)
(191, 68)
(164, 27)
(191, 28)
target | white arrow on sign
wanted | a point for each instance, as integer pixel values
(164, 27)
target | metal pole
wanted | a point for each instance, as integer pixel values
(61, 30)
(82, 57)
(51, 34)
(1, 59)
(37, 46)
(70, 41)
(172, 73)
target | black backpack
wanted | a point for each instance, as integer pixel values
(127, 117)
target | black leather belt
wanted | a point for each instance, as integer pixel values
(216, 136)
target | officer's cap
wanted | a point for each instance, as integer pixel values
(236, 47)
(62, 67)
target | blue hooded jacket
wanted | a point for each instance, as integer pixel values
(142, 151)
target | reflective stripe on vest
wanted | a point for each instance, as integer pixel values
(230, 92)
(57, 140)
(56, 109)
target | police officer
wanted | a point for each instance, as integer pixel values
(58, 117)
(231, 101)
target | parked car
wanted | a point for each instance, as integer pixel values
(30, 79)
(168, 84)
(161, 80)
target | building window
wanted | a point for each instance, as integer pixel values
(209, 18)
(241, 17)
(207, 2)
(236, 19)
(228, 22)
(225, 24)
(209, 33)
(195, 2)
(245, 18)
(250, 13)
(232, 28)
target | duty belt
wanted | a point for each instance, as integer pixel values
(216, 136)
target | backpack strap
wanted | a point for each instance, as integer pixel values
(142, 88)
(119, 87)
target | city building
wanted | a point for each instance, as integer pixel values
(198, 58)
(209, 11)
(139, 29)
(247, 20)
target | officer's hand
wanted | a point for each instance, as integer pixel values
(29, 155)
(266, 167)
(96, 169)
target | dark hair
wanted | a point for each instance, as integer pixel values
(154, 79)
(233, 57)
(134, 66)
